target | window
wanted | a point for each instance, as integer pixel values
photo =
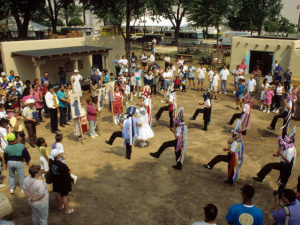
(182, 35)
(168, 34)
(192, 35)
(200, 36)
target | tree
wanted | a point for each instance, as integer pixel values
(251, 14)
(54, 6)
(118, 11)
(22, 11)
(70, 12)
(75, 21)
(173, 10)
(205, 13)
(271, 26)
(285, 26)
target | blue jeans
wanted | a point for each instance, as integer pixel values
(14, 166)
(167, 84)
(223, 85)
(40, 214)
(92, 125)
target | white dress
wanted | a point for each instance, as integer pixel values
(145, 130)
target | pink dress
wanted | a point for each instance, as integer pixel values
(37, 95)
(268, 98)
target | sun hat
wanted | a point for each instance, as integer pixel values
(3, 74)
(76, 71)
(10, 137)
(29, 101)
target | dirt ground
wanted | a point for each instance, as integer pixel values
(112, 190)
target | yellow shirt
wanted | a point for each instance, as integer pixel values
(13, 122)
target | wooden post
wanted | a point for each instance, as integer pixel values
(37, 67)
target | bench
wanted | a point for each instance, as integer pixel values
(186, 56)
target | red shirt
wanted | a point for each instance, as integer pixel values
(243, 66)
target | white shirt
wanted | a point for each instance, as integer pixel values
(224, 74)
(167, 75)
(49, 100)
(239, 77)
(123, 62)
(172, 71)
(27, 112)
(152, 58)
(201, 72)
(59, 146)
(76, 85)
(215, 80)
(167, 59)
(290, 104)
(3, 133)
(251, 84)
(37, 187)
(203, 223)
(3, 114)
(233, 146)
(172, 98)
(279, 90)
(269, 78)
(185, 68)
(207, 102)
(289, 154)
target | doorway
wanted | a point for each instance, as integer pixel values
(97, 60)
(263, 59)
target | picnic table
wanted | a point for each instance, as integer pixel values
(160, 56)
(188, 58)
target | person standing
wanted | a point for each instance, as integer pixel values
(76, 80)
(201, 77)
(38, 195)
(92, 117)
(210, 212)
(30, 122)
(251, 84)
(44, 92)
(167, 61)
(243, 66)
(191, 76)
(244, 212)
(44, 78)
(52, 104)
(287, 78)
(14, 155)
(96, 77)
(133, 61)
(18, 125)
(257, 74)
(224, 75)
(117, 65)
(62, 75)
(138, 73)
(37, 96)
(144, 59)
(214, 79)
(63, 101)
(289, 213)
(278, 73)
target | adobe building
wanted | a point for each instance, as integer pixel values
(29, 59)
(264, 51)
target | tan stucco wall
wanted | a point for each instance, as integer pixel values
(287, 56)
(23, 66)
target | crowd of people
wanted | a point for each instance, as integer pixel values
(24, 106)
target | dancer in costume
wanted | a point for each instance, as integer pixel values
(179, 143)
(117, 104)
(171, 100)
(206, 110)
(286, 115)
(245, 115)
(235, 155)
(147, 102)
(145, 131)
(287, 153)
(129, 131)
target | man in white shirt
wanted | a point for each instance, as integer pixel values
(76, 80)
(210, 212)
(52, 104)
(201, 76)
(251, 83)
(274, 65)
(214, 83)
(167, 75)
(123, 65)
(167, 60)
(224, 74)
(152, 59)
(269, 77)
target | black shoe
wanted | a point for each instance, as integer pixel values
(192, 118)
(271, 128)
(156, 117)
(107, 142)
(177, 167)
(207, 166)
(257, 179)
(53, 131)
(228, 123)
(62, 125)
(155, 155)
(228, 182)
(205, 129)
(67, 124)
(58, 130)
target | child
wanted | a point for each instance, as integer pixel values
(295, 94)
(264, 88)
(2, 112)
(239, 93)
(58, 145)
(127, 90)
(92, 117)
(117, 105)
(44, 155)
(111, 77)
(177, 83)
(183, 84)
(279, 92)
(268, 99)
(132, 85)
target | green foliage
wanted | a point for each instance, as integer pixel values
(75, 21)
(281, 24)
(71, 12)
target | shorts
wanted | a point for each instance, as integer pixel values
(201, 80)
(214, 87)
(144, 64)
(138, 83)
(131, 88)
(238, 95)
(191, 78)
(44, 164)
(167, 84)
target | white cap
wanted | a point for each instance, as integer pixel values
(76, 71)
(29, 101)
(3, 74)
(55, 152)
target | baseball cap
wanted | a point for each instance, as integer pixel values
(10, 137)
(76, 71)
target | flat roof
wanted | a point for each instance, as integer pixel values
(60, 51)
(264, 37)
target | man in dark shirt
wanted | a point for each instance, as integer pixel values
(14, 155)
(278, 73)
(287, 77)
(62, 75)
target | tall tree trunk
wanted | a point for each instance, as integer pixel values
(83, 15)
(217, 35)
(127, 39)
(177, 29)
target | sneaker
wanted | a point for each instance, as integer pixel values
(143, 144)
(207, 166)
(135, 94)
(274, 110)
(265, 110)
(225, 93)
(257, 179)
(153, 155)
(220, 92)
(22, 191)
(233, 92)
(96, 135)
(93, 136)
(277, 111)
(177, 167)
(2, 185)
(268, 111)
(11, 190)
(261, 108)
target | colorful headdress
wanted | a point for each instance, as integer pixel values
(248, 99)
(130, 110)
(236, 133)
(288, 141)
(170, 90)
(146, 91)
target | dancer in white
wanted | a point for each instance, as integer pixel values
(145, 131)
